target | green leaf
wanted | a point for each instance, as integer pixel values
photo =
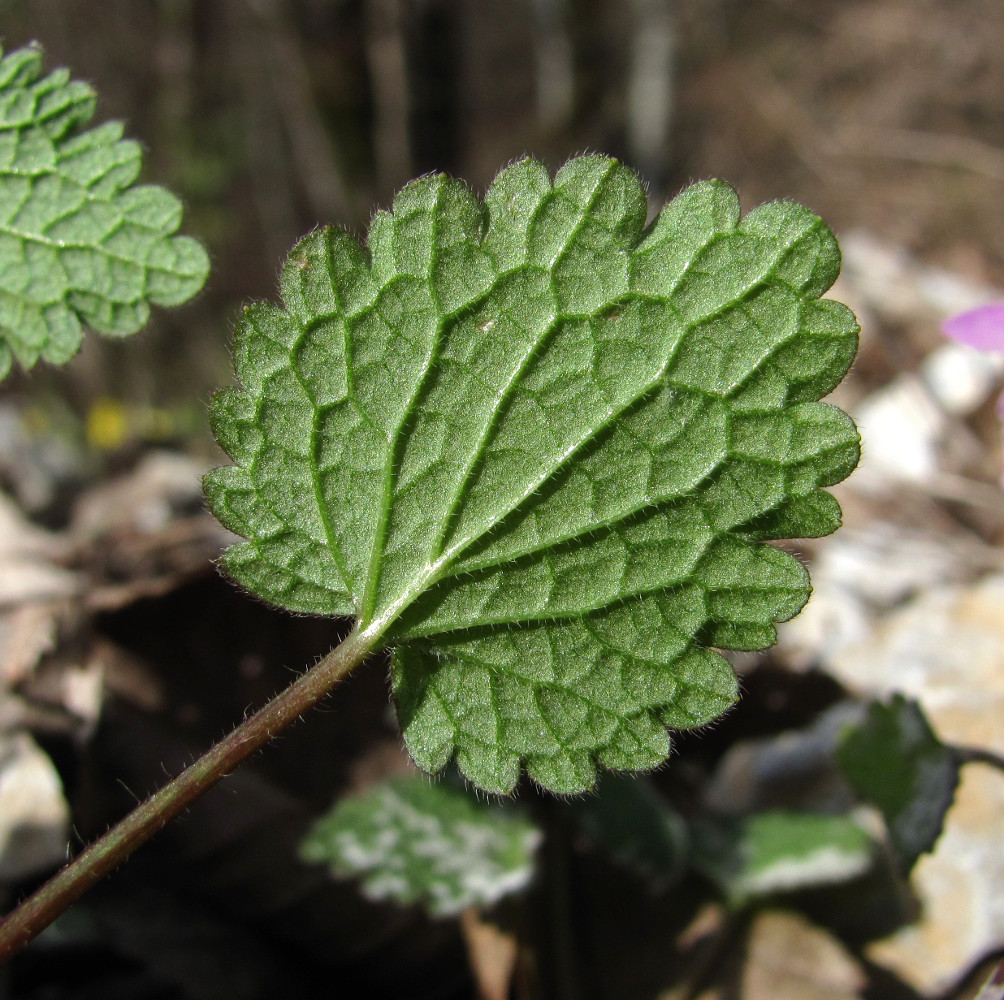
(628, 818)
(894, 760)
(533, 446)
(416, 842)
(777, 852)
(79, 243)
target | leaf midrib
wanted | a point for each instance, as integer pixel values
(438, 569)
(392, 461)
(502, 400)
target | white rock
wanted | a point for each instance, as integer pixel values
(34, 816)
(901, 427)
(960, 378)
(946, 649)
(860, 572)
(788, 958)
(899, 287)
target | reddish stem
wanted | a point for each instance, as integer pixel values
(110, 850)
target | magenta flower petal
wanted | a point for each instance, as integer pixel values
(982, 328)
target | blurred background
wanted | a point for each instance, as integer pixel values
(268, 118)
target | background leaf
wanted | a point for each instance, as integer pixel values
(79, 243)
(534, 446)
(894, 760)
(777, 852)
(639, 828)
(414, 841)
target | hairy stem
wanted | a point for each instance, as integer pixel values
(110, 850)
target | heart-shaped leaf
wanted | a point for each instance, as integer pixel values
(894, 760)
(534, 447)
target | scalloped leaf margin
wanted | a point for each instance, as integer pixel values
(80, 243)
(535, 447)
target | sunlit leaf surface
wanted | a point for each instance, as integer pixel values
(535, 447)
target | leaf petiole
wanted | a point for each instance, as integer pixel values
(106, 853)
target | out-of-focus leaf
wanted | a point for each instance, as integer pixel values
(80, 242)
(628, 818)
(894, 760)
(417, 842)
(777, 852)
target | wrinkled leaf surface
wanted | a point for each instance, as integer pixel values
(534, 446)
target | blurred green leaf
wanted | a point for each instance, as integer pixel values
(413, 841)
(777, 852)
(628, 818)
(894, 760)
(80, 243)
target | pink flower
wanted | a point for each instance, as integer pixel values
(983, 329)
